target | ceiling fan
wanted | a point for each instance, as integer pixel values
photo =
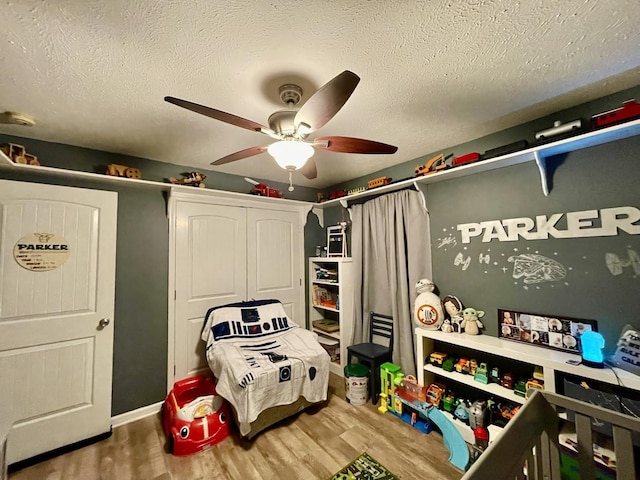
(291, 127)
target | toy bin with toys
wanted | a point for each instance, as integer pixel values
(194, 416)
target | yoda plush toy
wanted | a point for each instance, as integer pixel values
(471, 321)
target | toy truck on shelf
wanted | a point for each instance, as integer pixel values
(630, 110)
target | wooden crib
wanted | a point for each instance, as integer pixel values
(528, 446)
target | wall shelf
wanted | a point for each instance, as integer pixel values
(538, 153)
(7, 163)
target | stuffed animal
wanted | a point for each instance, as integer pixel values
(471, 321)
(446, 326)
(427, 307)
(453, 307)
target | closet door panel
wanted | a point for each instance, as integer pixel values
(210, 271)
(274, 251)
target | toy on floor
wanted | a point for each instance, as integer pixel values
(194, 416)
(397, 397)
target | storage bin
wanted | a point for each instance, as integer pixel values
(356, 379)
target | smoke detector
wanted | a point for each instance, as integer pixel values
(15, 118)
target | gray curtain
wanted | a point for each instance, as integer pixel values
(391, 251)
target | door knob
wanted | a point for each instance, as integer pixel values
(103, 322)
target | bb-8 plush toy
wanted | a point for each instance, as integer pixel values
(427, 312)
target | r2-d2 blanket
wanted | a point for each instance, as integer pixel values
(262, 359)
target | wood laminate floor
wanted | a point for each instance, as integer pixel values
(311, 445)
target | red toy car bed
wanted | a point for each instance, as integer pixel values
(194, 416)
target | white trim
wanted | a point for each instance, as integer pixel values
(137, 414)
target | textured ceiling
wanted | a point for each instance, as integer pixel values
(433, 73)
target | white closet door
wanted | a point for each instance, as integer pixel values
(210, 270)
(274, 259)
(57, 283)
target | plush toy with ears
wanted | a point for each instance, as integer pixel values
(471, 321)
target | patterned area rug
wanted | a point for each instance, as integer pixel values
(364, 468)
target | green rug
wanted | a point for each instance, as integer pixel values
(364, 468)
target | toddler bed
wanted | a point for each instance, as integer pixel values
(267, 367)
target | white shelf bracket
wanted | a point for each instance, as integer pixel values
(319, 212)
(542, 168)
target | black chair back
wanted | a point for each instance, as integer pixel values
(381, 326)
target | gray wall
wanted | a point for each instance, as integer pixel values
(600, 177)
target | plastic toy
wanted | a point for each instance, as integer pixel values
(462, 411)
(194, 416)
(507, 380)
(263, 190)
(629, 110)
(435, 392)
(466, 158)
(428, 311)
(559, 130)
(449, 401)
(446, 326)
(480, 441)
(448, 364)
(116, 170)
(473, 366)
(390, 377)
(195, 179)
(533, 383)
(411, 390)
(481, 374)
(520, 388)
(462, 366)
(471, 321)
(494, 375)
(420, 414)
(437, 358)
(477, 413)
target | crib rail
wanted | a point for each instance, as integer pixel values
(529, 442)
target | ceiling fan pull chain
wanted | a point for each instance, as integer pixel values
(290, 181)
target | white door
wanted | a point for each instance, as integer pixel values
(210, 270)
(227, 254)
(273, 259)
(57, 276)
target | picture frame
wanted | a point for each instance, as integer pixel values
(542, 330)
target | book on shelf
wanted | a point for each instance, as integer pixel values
(326, 325)
(326, 274)
(323, 297)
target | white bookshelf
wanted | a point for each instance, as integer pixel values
(342, 289)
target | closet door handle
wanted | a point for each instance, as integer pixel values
(103, 323)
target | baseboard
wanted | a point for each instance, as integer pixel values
(137, 414)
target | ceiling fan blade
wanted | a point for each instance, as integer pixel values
(247, 152)
(353, 145)
(326, 102)
(218, 115)
(309, 169)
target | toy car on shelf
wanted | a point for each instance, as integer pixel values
(437, 358)
(449, 364)
(194, 416)
(462, 366)
(481, 374)
(559, 130)
(507, 380)
(466, 158)
(262, 189)
(433, 165)
(630, 110)
(378, 182)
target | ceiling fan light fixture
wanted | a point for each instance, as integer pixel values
(290, 154)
